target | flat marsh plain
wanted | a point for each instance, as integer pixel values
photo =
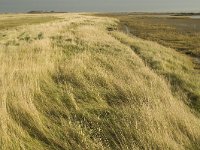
(74, 81)
(178, 31)
(10, 21)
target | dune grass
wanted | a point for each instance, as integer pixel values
(76, 84)
(177, 68)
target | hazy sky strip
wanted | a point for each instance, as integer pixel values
(100, 5)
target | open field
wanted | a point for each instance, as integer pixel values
(78, 82)
(8, 21)
(171, 30)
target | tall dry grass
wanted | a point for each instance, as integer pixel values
(72, 84)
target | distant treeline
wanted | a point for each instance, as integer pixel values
(41, 12)
(186, 14)
(153, 13)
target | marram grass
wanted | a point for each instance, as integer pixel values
(74, 84)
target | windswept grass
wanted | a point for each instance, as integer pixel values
(76, 83)
(174, 66)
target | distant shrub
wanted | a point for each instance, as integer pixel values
(24, 37)
(40, 36)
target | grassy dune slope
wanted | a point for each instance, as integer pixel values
(75, 85)
(175, 67)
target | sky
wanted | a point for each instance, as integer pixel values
(101, 5)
